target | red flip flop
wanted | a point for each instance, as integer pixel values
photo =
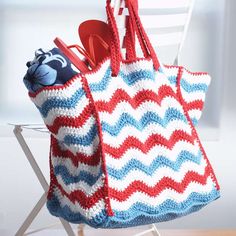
(78, 63)
(95, 38)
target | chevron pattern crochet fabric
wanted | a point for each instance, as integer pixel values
(124, 150)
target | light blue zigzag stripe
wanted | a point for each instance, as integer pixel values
(125, 120)
(168, 206)
(65, 212)
(129, 79)
(119, 174)
(160, 161)
(84, 140)
(103, 84)
(141, 74)
(194, 120)
(55, 102)
(168, 210)
(172, 79)
(148, 219)
(149, 117)
(70, 179)
(190, 88)
(160, 70)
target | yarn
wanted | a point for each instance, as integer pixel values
(124, 150)
(124, 147)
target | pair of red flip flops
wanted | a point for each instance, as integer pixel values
(95, 38)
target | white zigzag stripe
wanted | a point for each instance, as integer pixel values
(66, 112)
(58, 93)
(132, 90)
(75, 207)
(81, 186)
(142, 136)
(129, 154)
(148, 158)
(147, 106)
(193, 96)
(195, 113)
(170, 71)
(75, 170)
(97, 76)
(166, 79)
(163, 196)
(196, 78)
(81, 131)
(160, 173)
(136, 66)
(86, 150)
(189, 77)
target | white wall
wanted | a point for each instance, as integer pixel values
(20, 188)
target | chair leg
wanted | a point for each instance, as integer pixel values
(152, 229)
(18, 133)
(20, 138)
(80, 231)
(155, 230)
(32, 215)
(67, 227)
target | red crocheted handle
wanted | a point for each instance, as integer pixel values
(134, 26)
(129, 39)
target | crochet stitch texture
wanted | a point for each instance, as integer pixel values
(124, 150)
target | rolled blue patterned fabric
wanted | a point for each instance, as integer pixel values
(49, 68)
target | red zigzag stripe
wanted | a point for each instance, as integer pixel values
(77, 159)
(197, 104)
(164, 183)
(132, 142)
(74, 122)
(139, 98)
(80, 197)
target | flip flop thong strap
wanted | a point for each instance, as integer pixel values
(83, 52)
(103, 43)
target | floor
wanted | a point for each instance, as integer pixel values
(131, 232)
(198, 233)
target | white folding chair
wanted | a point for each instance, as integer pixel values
(18, 128)
(167, 23)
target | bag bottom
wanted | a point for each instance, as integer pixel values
(134, 217)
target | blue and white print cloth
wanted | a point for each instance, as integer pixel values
(49, 68)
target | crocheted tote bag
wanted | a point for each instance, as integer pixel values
(124, 148)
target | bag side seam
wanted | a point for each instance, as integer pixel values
(92, 102)
(194, 132)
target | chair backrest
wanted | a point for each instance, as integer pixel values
(166, 21)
